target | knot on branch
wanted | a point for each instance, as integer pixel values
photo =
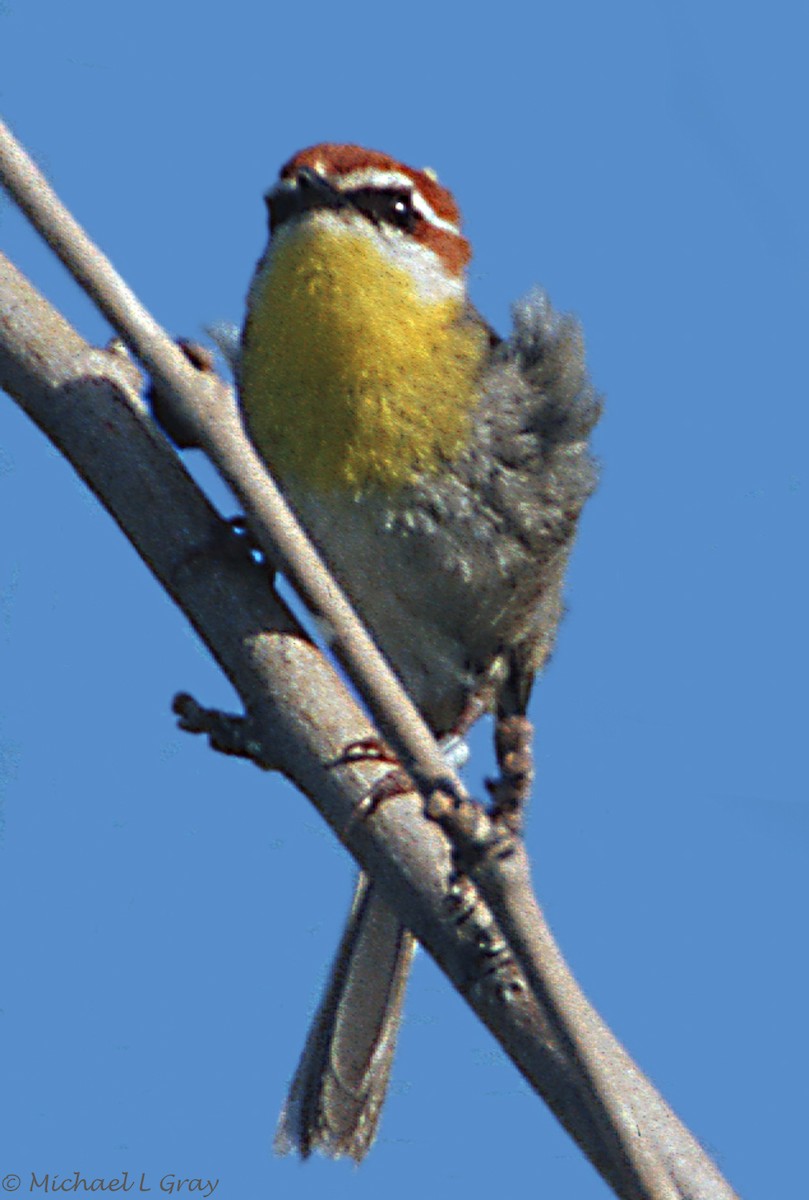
(226, 732)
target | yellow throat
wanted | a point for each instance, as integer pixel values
(350, 378)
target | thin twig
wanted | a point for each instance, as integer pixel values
(198, 400)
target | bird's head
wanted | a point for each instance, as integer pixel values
(405, 213)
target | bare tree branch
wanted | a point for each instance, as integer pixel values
(301, 719)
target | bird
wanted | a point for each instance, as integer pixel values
(441, 471)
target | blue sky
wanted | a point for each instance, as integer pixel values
(169, 915)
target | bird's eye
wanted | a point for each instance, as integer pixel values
(402, 213)
(388, 205)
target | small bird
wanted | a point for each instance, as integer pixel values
(441, 472)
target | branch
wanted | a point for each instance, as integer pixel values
(300, 717)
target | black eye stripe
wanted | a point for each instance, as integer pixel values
(394, 206)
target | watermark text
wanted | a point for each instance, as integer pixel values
(77, 1183)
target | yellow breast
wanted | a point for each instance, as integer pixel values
(349, 378)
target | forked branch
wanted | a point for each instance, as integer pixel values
(498, 952)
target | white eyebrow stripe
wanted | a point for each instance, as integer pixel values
(429, 214)
(376, 178)
(371, 177)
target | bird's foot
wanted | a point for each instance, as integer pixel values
(513, 738)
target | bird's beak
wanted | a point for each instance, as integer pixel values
(305, 190)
